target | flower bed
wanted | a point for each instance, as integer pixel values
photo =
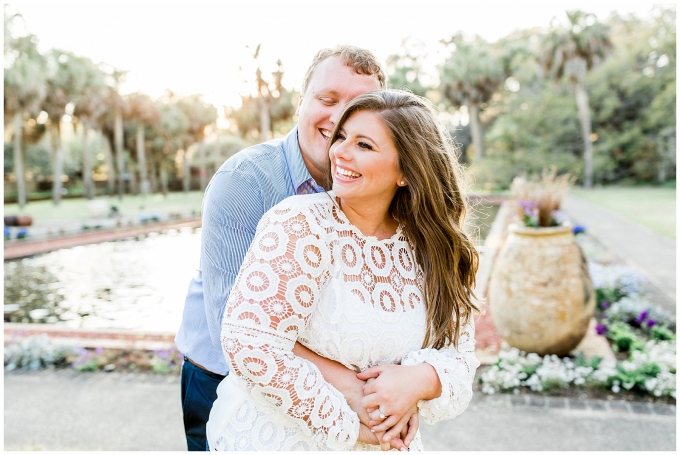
(38, 351)
(640, 333)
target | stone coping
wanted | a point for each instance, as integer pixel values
(519, 229)
(21, 248)
(613, 406)
(92, 338)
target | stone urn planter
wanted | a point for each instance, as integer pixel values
(540, 293)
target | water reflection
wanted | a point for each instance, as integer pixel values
(136, 284)
(129, 284)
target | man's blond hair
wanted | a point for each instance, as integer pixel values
(360, 60)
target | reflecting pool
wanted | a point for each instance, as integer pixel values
(137, 284)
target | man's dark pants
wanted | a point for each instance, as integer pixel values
(199, 391)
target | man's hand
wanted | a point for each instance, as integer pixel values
(401, 434)
(367, 436)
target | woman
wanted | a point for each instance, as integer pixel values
(376, 274)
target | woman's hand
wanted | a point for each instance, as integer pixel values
(396, 390)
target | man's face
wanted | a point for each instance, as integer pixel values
(331, 86)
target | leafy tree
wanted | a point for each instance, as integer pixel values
(633, 101)
(570, 52)
(470, 77)
(532, 126)
(405, 69)
(538, 129)
(25, 88)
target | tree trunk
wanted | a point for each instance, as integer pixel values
(660, 150)
(109, 165)
(164, 179)
(118, 139)
(87, 165)
(57, 160)
(476, 130)
(132, 172)
(203, 166)
(217, 155)
(584, 117)
(186, 181)
(19, 161)
(153, 175)
(265, 120)
(141, 160)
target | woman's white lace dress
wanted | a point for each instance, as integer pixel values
(311, 276)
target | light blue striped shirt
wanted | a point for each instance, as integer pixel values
(243, 189)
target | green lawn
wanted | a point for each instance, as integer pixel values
(130, 206)
(653, 207)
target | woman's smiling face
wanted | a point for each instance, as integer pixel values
(364, 161)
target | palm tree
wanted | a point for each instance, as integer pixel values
(570, 52)
(200, 115)
(144, 112)
(110, 123)
(25, 88)
(90, 105)
(107, 125)
(169, 134)
(470, 77)
(65, 80)
(266, 110)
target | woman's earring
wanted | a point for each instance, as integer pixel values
(402, 183)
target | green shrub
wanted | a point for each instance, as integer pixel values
(623, 338)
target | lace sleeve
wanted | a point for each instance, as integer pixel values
(272, 299)
(456, 370)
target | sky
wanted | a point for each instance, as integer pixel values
(206, 46)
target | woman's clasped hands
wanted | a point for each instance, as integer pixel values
(390, 398)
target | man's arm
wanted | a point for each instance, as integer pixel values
(341, 377)
(232, 208)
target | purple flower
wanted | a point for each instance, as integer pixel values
(528, 206)
(605, 305)
(601, 329)
(99, 350)
(651, 322)
(642, 317)
(559, 216)
(578, 229)
(163, 354)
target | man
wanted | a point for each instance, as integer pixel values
(242, 190)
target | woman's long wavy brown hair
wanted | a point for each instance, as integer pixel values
(431, 207)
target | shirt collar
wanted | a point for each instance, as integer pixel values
(291, 149)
